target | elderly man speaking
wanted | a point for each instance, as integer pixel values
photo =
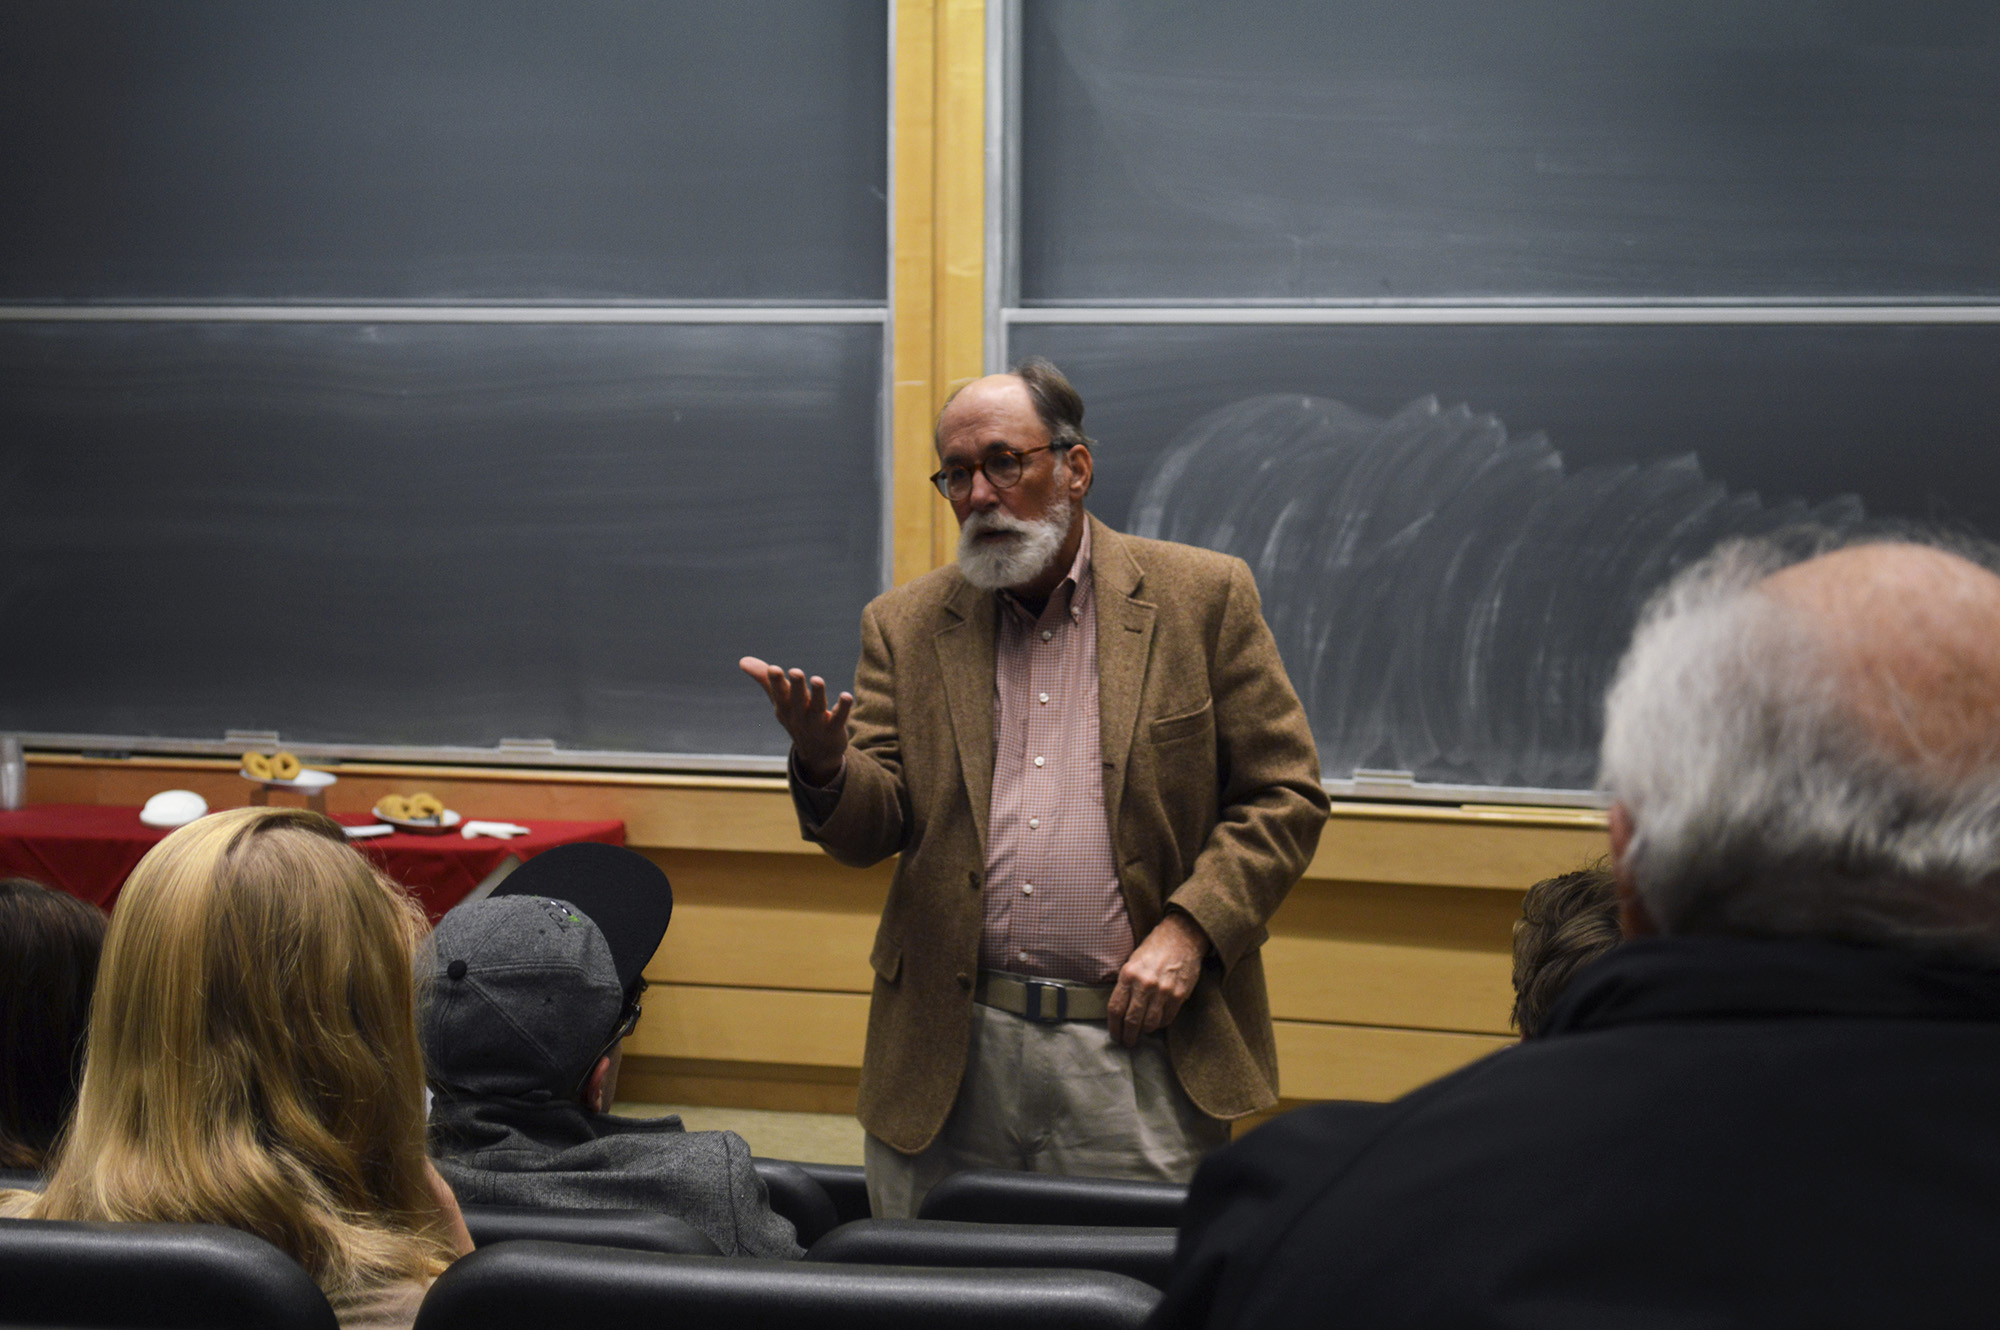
(1084, 747)
(1778, 1104)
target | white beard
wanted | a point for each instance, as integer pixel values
(992, 565)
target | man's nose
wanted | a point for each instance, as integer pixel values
(982, 497)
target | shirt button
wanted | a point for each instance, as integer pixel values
(1041, 761)
(1045, 699)
(1034, 823)
(1047, 635)
(1028, 889)
(1020, 955)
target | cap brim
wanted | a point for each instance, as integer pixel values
(622, 891)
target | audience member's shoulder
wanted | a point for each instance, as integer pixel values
(1246, 1194)
(1317, 1137)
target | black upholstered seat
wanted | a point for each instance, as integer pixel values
(797, 1196)
(535, 1285)
(152, 1277)
(635, 1230)
(846, 1185)
(1143, 1253)
(1004, 1196)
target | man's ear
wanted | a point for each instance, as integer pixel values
(1077, 458)
(1633, 918)
(593, 1086)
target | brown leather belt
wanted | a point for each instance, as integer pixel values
(1048, 1001)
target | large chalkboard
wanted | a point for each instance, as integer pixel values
(443, 150)
(1460, 149)
(1454, 526)
(430, 534)
(1468, 324)
(408, 376)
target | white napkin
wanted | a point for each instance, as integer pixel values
(363, 833)
(498, 830)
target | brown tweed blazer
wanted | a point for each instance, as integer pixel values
(1210, 780)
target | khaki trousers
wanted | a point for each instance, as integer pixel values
(1053, 1099)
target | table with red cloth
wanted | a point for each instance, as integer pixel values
(88, 850)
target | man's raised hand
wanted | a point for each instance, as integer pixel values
(819, 735)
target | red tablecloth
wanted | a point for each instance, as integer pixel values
(88, 849)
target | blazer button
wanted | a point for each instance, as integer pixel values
(965, 981)
(972, 880)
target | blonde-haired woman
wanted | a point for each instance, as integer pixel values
(253, 1061)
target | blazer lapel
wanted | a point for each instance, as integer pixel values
(1124, 646)
(965, 663)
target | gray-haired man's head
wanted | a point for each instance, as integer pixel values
(1810, 747)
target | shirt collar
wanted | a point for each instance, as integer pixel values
(1073, 592)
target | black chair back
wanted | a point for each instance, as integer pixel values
(846, 1185)
(1003, 1196)
(535, 1285)
(798, 1198)
(1145, 1254)
(152, 1277)
(635, 1230)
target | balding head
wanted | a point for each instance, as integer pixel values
(1812, 748)
(1913, 635)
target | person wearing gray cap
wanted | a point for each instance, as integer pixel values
(524, 999)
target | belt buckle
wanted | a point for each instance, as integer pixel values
(1033, 989)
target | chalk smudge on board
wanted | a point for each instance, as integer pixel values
(1449, 600)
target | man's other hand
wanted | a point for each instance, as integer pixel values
(1157, 979)
(819, 735)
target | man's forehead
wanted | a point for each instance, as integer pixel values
(989, 414)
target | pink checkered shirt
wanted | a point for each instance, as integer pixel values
(1053, 907)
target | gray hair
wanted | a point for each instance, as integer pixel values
(1761, 804)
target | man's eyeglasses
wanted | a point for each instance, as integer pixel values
(1003, 471)
(628, 1020)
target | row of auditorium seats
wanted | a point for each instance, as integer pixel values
(818, 1198)
(183, 1276)
(883, 1272)
(1144, 1253)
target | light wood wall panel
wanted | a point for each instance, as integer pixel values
(1500, 850)
(752, 1025)
(1507, 850)
(1362, 1062)
(938, 272)
(769, 921)
(1388, 964)
(1380, 954)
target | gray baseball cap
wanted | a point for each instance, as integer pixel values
(519, 993)
(516, 995)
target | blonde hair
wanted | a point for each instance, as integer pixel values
(252, 1057)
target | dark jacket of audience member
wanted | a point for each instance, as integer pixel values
(49, 943)
(1774, 1106)
(1566, 922)
(525, 998)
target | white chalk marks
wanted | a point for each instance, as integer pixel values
(1449, 600)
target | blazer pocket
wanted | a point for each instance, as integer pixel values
(1169, 728)
(887, 959)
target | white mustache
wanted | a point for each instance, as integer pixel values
(980, 524)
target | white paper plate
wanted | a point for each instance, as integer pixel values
(308, 780)
(425, 826)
